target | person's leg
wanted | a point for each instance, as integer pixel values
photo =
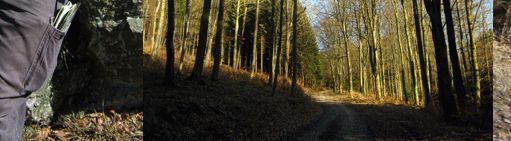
(12, 118)
(29, 46)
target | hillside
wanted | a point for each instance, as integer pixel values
(233, 108)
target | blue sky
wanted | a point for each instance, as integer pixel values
(311, 6)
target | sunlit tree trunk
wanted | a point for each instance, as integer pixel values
(254, 50)
(211, 35)
(261, 54)
(183, 45)
(487, 42)
(332, 69)
(242, 33)
(288, 41)
(146, 31)
(410, 54)
(237, 39)
(477, 77)
(460, 29)
(361, 52)
(421, 55)
(381, 66)
(343, 19)
(401, 52)
(425, 53)
(373, 18)
(157, 28)
(398, 77)
(272, 44)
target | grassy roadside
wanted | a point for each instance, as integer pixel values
(233, 108)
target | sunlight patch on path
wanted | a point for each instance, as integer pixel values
(339, 122)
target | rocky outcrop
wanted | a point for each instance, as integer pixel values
(99, 65)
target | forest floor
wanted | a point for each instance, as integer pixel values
(501, 95)
(239, 108)
(388, 120)
(233, 108)
(109, 125)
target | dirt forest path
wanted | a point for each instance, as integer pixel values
(338, 122)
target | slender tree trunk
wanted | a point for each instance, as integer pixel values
(425, 53)
(361, 52)
(343, 21)
(224, 57)
(237, 39)
(146, 18)
(460, 29)
(398, 77)
(216, 66)
(486, 41)
(381, 60)
(261, 54)
(410, 55)
(183, 45)
(275, 81)
(374, 20)
(168, 81)
(370, 20)
(272, 46)
(203, 38)
(430, 82)
(421, 55)
(242, 33)
(402, 58)
(404, 85)
(158, 28)
(254, 50)
(458, 80)
(288, 42)
(295, 56)
(213, 20)
(332, 69)
(474, 53)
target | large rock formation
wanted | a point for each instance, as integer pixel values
(99, 65)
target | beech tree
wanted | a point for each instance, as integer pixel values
(185, 32)
(295, 37)
(477, 77)
(168, 81)
(216, 66)
(272, 46)
(203, 37)
(279, 47)
(444, 77)
(453, 52)
(425, 84)
(254, 51)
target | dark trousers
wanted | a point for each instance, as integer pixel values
(29, 46)
(12, 118)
